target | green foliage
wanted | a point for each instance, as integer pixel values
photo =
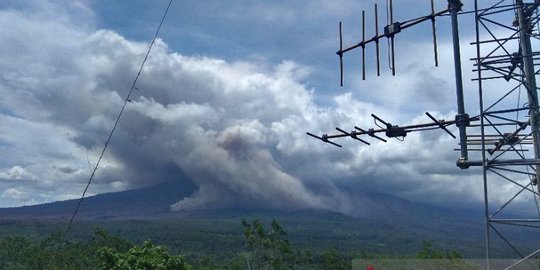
(148, 256)
(20, 253)
(442, 259)
(428, 252)
(268, 250)
(102, 239)
(207, 248)
(102, 251)
(205, 263)
(222, 237)
(237, 263)
(81, 254)
(67, 255)
(331, 260)
(23, 253)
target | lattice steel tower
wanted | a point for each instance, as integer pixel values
(504, 137)
(508, 134)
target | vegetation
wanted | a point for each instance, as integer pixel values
(267, 249)
(147, 256)
(261, 248)
(222, 237)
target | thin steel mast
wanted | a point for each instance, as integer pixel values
(529, 76)
(462, 119)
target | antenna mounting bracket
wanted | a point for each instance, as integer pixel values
(395, 131)
(392, 29)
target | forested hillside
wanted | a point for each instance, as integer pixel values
(263, 246)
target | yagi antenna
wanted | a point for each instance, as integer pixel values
(501, 137)
(390, 130)
(390, 31)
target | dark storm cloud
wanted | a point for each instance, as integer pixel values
(236, 129)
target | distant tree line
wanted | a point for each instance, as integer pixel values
(264, 249)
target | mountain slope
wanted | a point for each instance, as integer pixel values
(387, 222)
(154, 202)
(136, 203)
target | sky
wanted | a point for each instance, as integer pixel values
(225, 99)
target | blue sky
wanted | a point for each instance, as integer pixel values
(226, 98)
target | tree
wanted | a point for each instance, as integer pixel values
(331, 260)
(19, 253)
(442, 259)
(267, 250)
(102, 251)
(103, 239)
(428, 252)
(148, 256)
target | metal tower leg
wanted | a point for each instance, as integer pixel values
(529, 80)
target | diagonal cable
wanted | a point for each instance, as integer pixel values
(70, 224)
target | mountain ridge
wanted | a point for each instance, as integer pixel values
(143, 201)
(147, 211)
(153, 202)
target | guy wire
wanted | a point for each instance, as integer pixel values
(70, 224)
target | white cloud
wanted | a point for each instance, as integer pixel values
(235, 128)
(16, 173)
(16, 197)
(13, 193)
